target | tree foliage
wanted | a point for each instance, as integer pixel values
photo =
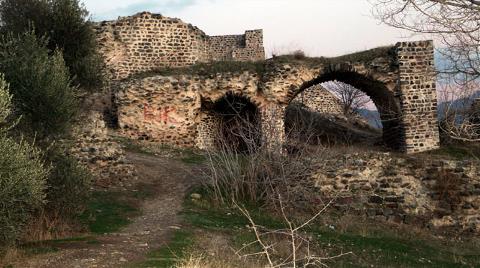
(22, 178)
(40, 84)
(68, 184)
(67, 26)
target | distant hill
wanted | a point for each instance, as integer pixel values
(457, 104)
(372, 116)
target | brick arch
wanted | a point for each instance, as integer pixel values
(406, 70)
(387, 103)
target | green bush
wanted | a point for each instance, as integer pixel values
(22, 178)
(68, 185)
(40, 84)
(67, 26)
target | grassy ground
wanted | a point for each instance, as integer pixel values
(377, 245)
(181, 242)
(372, 244)
(458, 151)
(107, 212)
(186, 155)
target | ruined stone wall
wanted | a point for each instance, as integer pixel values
(320, 100)
(100, 153)
(169, 109)
(429, 193)
(145, 42)
(252, 50)
(221, 47)
(418, 96)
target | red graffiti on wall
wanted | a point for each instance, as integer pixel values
(163, 115)
(148, 113)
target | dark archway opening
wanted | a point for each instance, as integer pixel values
(238, 123)
(387, 105)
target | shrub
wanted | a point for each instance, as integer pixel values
(40, 85)
(67, 26)
(22, 179)
(68, 185)
(299, 54)
(258, 174)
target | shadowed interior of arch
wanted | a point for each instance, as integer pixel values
(238, 126)
(382, 97)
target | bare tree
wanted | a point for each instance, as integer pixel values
(300, 251)
(459, 116)
(351, 98)
(456, 23)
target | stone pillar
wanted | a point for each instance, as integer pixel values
(418, 96)
(207, 131)
(272, 118)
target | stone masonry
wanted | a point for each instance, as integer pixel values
(320, 100)
(247, 47)
(146, 41)
(173, 108)
(417, 86)
(427, 192)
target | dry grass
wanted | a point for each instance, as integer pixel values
(11, 254)
(199, 261)
(48, 226)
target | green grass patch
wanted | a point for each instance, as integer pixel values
(376, 246)
(107, 212)
(205, 69)
(259, 67)
(189, 156)
(186, 155)
(385, 250)
(133, 146)
(39, 249)
(362, 56)
(458, 151)
(171, 254)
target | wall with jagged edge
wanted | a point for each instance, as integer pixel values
(146, 41)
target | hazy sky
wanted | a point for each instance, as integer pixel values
(319, 27)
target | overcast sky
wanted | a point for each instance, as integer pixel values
(319, 27)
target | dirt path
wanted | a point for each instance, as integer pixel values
(171, 179)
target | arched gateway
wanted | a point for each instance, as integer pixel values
(181, 106)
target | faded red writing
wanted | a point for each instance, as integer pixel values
(161, 115)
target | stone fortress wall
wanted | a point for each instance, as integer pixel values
(174, 110)
(145, 42)
(171, 108)
(246, 47)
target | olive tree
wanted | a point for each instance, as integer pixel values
(22, 177)
(66, 25)
(40, 84)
